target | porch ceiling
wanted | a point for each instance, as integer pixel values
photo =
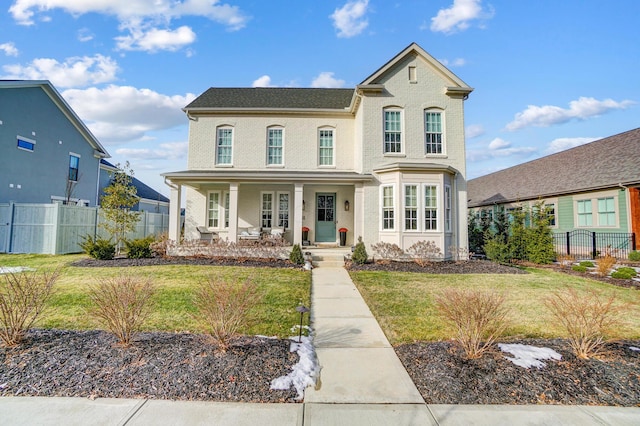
(196, 177)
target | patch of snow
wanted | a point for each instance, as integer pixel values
(304, 373)
(14, 269)
(528, 356)
(633, 348)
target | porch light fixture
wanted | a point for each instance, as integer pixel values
(303, 205)
(346, 205)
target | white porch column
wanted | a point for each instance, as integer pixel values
(358, 212)
(175, 199)
(233, 212)
(297, 214)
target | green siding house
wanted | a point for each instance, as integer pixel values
(592, 188)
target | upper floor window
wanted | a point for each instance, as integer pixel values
(26, 144)
(325, 152)
(392, 131)
(584, 213)
(74, 164)
(388, 209)
(224, 145)
(433, 132)
(275, 146)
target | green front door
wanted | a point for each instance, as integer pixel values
(325, 218)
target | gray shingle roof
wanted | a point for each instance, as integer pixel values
(273, 97)
(604, 163)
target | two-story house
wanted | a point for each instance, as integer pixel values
(385, 160)
(47, 154)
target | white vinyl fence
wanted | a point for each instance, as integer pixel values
(60, 229)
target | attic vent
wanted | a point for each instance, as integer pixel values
(413, 75)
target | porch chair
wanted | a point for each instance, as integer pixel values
(206, 235)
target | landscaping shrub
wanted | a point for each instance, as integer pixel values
(359, 255)
(627, 270)
(387, 251)
(587, 319)
(621, 275)
(296, 256)
(587, 264)
(517, 239)
(634, 256)
(424, 252)
(478, 318)
(605, 265)
(565, 260)
(497, 250)
(140, 248)
(22, 300)
(99, 248)
(121, 304)
(159, 246)
(223, 307)
(579, 268)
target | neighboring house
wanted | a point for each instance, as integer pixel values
(594, 187)
(47, 154)
(150, 200)
(385, 160)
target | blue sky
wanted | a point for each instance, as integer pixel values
(548, 74)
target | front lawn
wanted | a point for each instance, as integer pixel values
(282, 289)
(403, 302)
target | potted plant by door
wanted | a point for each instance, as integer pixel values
(343, 236)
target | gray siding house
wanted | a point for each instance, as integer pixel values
(47, 154)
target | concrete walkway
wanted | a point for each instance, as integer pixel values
(362, 383)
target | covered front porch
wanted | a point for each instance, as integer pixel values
(305, 208)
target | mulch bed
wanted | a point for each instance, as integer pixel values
(613, 281)
(158, 366)
(444, 376)
(188, 367)
(183, 260)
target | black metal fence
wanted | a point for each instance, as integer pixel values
(587, 244)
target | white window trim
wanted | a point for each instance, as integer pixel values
(447, 214)
(233, 136)
(275, 208)
(393, 207)
(595, 216)
(333, 148)
(443, 123)
(616, 223)
(402, 132)
(439, 210)
(275, 165)
(220, 210)
(225, 210)
(22, 138)
(419, 215)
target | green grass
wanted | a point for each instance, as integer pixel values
(281, 289)
(403, 302)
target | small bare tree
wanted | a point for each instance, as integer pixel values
(118, 200)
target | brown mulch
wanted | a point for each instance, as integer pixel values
(444, 376)
(183, 260)
(444, 267)
(158, 366)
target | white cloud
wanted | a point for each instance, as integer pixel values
(118, 114)
(23, 11)
(499, 148)
(84, 35)
(73, 72)
(154, 39)
(473, 131)
(326, 80)
(9, 49)
(458, 62)
(166, 151)
(581, 109)
(349, 19)
(264, 81)
(562, 144)
(458, 16)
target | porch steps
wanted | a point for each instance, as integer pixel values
(327, 257)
